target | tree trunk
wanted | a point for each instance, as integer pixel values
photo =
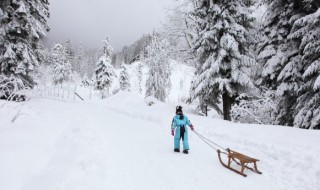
(206, 111)
(226, 100)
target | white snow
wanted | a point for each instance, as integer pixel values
(122, 143)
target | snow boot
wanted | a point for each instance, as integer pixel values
(185, 151)
(176, 150)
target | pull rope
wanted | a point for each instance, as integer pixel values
(208, 141)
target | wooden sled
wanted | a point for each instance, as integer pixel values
(241, 160)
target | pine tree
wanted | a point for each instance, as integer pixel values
(124, 79)
(22, 26)
(69, 51)
(158, 83)
(70, 54)
(79, 61)
(280, 57)
(140, 77)
(223, 51)
(306, 31)
(61, 67)
(104, 70)
(285, 60)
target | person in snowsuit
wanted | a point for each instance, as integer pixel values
(179, 130)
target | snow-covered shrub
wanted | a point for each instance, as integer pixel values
(115, 91)
(9, 86)
(150, 100)
(86, 82)
(260, 109)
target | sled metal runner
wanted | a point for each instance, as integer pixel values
(240, 159)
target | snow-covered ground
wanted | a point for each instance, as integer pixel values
(121, 143)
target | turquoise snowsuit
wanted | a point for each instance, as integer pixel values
(177, 124)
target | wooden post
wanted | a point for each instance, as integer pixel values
(61, 90)
(68, 91)
(74, 93)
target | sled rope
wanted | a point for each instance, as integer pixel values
(208, 141)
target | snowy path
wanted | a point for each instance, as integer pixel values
(124, 144)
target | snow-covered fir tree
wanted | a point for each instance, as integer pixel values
(104, 72)
(158, 83)
(80, 60)
(140, 66)
(61, 67)
(279, 57)
(124, 79)
(69, 51)
(23, 24)
(306, 30)
(286, 55)
(223, 53)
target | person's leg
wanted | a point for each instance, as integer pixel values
(177, 138)
(185, 140)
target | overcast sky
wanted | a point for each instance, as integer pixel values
(89, 21)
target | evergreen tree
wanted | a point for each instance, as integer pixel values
(22, 26)
(61, 66)
(140, 77)
(223, 51)
(158, 83)
(104, 70)
(286, 55)
(280, 57)
(80, 60)
(69, 51)
(70, 54)
(306, 31)
(124, 79)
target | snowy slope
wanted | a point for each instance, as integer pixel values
(121, 143)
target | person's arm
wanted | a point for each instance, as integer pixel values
(173, 126)
(189, 124)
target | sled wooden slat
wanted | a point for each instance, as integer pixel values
(241, 160)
